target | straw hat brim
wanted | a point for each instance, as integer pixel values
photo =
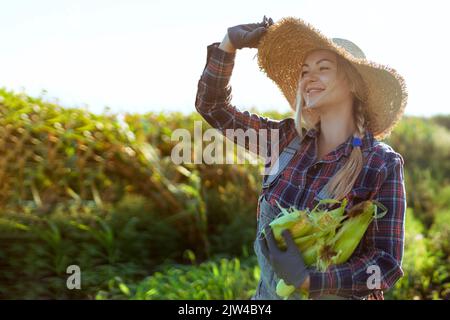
(283, 48)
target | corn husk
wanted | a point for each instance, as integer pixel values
(302, 223)
(350, 234)
(325, 237)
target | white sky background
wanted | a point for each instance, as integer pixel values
(141, 56)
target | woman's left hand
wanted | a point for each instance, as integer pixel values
(288, 264)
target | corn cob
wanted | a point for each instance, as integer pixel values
(307, 241)
(330, 239)
(326, 218)
(302, 224)
(296, 222)
(349, 235)
(283, 289)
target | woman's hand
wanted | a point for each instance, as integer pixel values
(289, 264)
(248, 35)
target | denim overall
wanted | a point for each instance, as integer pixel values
(266, 289)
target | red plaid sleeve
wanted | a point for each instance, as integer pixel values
(213, 102)
(382, 245)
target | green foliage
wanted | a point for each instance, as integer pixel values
(130, 237)
(219, 278)
(425, 261)
(102, 192)
(50, 155)
(425, 147)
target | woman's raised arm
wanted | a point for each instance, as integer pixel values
(213, 102)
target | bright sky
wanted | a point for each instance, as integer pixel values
(141, 55)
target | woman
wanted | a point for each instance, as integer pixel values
(343, 104)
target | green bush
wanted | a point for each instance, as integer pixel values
(129, 240)
(219, 278)
(425, 261)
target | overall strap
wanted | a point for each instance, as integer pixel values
(282, 161)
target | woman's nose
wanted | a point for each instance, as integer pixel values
(309, 78)
(308, 81)
(311, 75)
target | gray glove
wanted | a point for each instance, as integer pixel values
(289, 264)
(248, 35)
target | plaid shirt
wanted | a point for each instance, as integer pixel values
(301, 181)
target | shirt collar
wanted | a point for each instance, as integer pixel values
(346, 147)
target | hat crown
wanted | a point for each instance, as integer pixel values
(350, 47)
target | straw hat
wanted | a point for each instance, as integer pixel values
(285, 46)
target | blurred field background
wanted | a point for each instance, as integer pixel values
(100, 191)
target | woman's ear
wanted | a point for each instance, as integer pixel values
(351, 84)
(353, 88)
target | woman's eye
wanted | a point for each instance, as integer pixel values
(321, 68)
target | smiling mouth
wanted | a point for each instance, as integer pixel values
(313, 91)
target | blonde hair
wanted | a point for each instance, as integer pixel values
(342, 182)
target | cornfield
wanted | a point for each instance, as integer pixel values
(101, 192)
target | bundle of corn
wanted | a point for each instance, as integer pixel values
(324, 237)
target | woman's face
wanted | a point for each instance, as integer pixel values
(320, 83)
